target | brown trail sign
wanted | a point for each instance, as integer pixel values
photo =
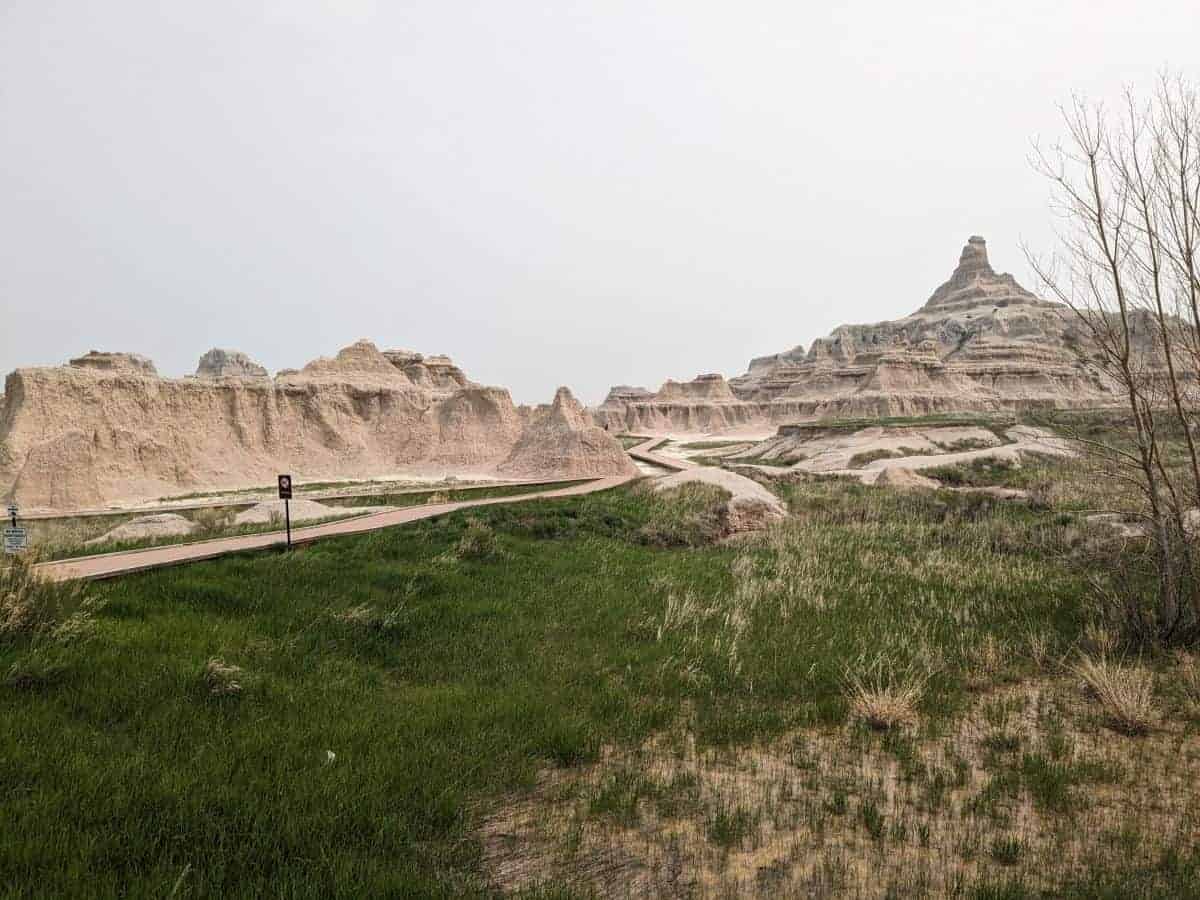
(285, 494)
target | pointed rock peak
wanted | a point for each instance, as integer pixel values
(566, 407)
(362, 358)
(564, 398)
(565, 410)
(975, 283)
(974, 259)
(363, 348)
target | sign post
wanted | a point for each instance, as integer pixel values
(16, 539)
(285, 494)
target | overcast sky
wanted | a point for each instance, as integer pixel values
(580, 193)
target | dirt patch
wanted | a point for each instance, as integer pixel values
(1025, 786)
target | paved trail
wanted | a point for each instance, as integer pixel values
(109, 565)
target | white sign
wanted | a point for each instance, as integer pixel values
(15, 540)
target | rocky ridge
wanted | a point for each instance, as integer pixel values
(217, 363)
(106, 428)
(980, 343)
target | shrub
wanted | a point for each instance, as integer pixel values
(478, 541)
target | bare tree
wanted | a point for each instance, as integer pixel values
(1127, 187)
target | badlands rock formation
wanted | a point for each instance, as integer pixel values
(980, 343)
(114, 362)
(562, 438)
(106, 428)
(218, 363)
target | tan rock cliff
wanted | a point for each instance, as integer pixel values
(107, 428)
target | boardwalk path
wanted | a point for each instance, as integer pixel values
(109, 565)
(644, 453)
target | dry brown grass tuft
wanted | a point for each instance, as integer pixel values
(1037, 647)
(1099, 640)
(883, 703)
(1187, 676)
(221, 679)
(1125, 694)
(33, 607)
(989, 659)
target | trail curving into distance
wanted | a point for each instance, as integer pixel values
(112, 565)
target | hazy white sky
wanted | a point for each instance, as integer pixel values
(556, 192)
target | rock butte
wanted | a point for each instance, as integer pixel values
(980, 343)
(106, 428)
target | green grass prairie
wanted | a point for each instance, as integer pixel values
(590, 696)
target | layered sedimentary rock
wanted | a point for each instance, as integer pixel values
(704, 404)
(107, 428)
(981, 342)
(437, 374)
(114, 362)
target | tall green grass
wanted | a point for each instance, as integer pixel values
(393, 686)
